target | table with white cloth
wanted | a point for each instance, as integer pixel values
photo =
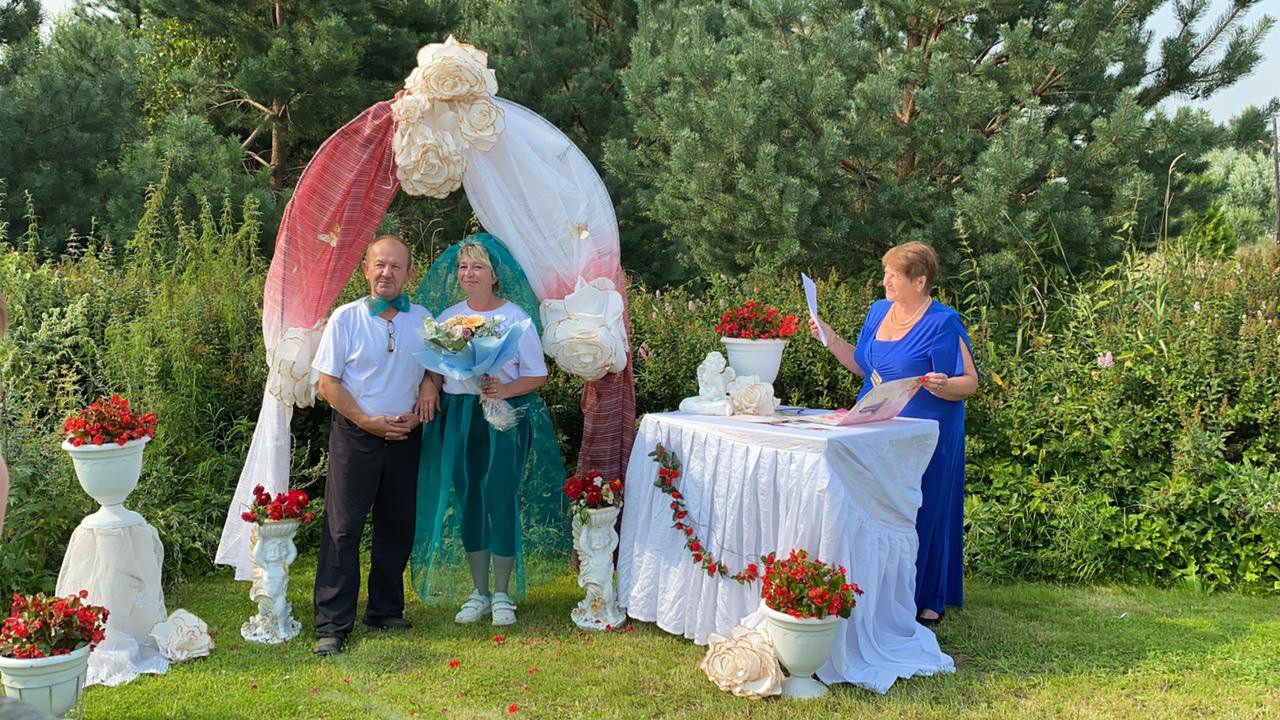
(847, 495)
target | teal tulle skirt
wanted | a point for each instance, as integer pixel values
(484, 489)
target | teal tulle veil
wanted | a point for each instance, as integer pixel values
(437, 547)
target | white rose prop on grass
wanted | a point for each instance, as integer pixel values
(481, 123)
(182, 637)
(429, 161)
(290, 377)
(752, 397)
(583, 332)
(744, 665)
(452, 71)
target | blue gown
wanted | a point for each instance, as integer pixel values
(931, 345)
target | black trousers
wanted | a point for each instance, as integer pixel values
(365, 473)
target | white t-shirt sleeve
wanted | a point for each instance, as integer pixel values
(529, 358)
(331, 355)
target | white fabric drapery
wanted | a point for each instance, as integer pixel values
(847, 495)
(539, 194)
(267, 464)
(120, 567)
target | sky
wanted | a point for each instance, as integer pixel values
(1256, 89)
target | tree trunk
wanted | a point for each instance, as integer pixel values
(1275, 160)
(907, 160)
(278, 150)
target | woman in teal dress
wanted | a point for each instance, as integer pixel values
(484, 467)
(910, 334)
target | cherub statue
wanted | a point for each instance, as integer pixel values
(714, 377)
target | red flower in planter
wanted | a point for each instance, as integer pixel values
(291, 505)
(805, 588)
(756, 321)
(39, 626)
(108, 420)
(592, 493)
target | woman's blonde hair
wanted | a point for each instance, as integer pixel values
(913, 259)
(477, 252)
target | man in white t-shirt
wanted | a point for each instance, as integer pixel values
(380, 395)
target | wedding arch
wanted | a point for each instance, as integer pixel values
(528, 184)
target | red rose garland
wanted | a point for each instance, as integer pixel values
(668, 473)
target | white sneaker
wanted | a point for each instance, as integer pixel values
(504, 610)
(476, 607)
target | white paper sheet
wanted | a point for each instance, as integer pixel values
(811, 297)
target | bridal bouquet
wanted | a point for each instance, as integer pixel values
(468, 347)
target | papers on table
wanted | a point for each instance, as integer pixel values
(811, 297)
(882, 402)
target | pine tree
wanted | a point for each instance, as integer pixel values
(816, 133)
(300, 70)
(66, 110)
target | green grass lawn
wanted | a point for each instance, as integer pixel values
(1023, 651)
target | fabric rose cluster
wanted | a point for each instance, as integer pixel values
(447, 109)
(108, 420)
(804, 588)
(752, 397)
(291, 505)
(593, 492)
(40, 626)
(757, 321)
(290, 377)
(584, 333)
(745, 664)
(182, 637)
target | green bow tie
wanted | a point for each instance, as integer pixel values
(377, 305)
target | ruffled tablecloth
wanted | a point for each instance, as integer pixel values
(848, 495)
(120, 567)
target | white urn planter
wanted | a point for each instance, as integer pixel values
(51, 684)
(761, 358)
(803, 645)
(108, 473)
(272, 551)
(595, 540)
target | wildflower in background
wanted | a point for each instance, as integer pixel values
(1105, 360)
(1196, 307)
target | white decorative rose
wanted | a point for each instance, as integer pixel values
(182, 637)
(744, 665)
(410, 109)
(481, 123)
(428, 161)
(452, 71)
(290, 377)
(752, 397)
(583, 332)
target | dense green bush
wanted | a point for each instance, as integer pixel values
(171, 322)
(1136, 437)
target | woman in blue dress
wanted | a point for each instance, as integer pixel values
(910, 334)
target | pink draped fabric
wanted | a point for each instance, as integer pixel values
(341, 197)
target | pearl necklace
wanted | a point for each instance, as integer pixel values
(914, 316)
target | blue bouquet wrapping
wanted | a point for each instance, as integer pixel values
(469, 351)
